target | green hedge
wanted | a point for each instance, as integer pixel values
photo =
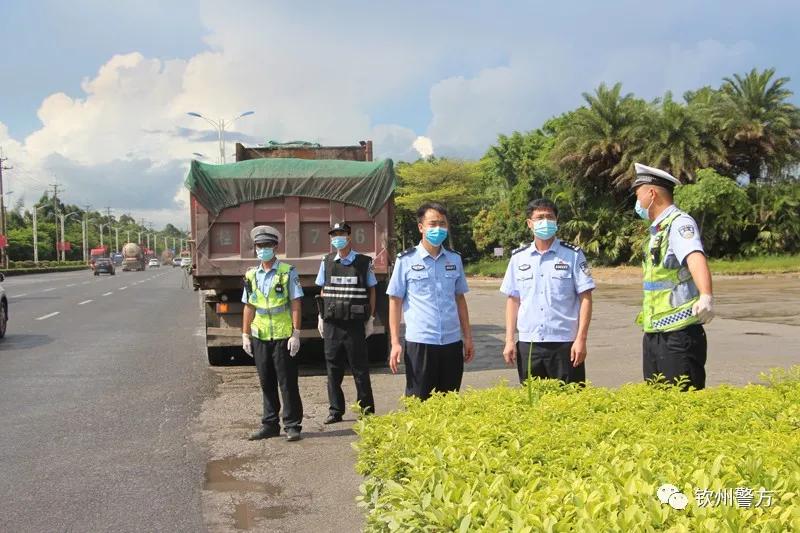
(555, 458)
(42, 270)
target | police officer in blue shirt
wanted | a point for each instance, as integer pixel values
(549, 288)
(427, 288)
(346, 319)
(271, 334)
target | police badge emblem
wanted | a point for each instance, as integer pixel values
(687, 231)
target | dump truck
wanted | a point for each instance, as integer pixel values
(301, 189)
(133, 257)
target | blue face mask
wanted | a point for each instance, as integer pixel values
(545, 229)
(643, 212)
(436, 236)
(339, 242)
(265, 254)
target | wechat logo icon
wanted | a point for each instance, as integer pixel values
(669, 494)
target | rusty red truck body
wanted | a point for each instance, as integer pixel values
(222, 251)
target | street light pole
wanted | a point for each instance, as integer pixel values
(36, 234)
(116, 239)
(63, 217)
(220, 126)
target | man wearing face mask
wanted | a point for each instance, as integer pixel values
(346, 318)
(677, 283)
(271, 334)
(428, 287)
(548, 285)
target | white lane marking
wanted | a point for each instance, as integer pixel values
(71, 284)
(50, 289)
(107, 293)
(48, 316)
(20, 295)
(85, 302)
(123, 288)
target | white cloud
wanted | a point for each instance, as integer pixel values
(423, 146)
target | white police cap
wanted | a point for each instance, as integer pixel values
(265, 234)
(653, 176)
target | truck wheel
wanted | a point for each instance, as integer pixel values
(219, 355)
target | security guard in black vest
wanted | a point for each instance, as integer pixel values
(346, 314)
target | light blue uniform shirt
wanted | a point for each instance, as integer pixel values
(547, 285)
(684, 237)
(348, 260)
(428, 288)
(264, 280)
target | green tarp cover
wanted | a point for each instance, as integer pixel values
(367, 184)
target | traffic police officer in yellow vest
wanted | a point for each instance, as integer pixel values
(677, 283)
(271, 334)
(346, 311)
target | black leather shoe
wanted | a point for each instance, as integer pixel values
(265, 432)
(333, 419)
(292, 434)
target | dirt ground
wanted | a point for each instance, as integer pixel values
(311, 485)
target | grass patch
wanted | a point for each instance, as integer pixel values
(756, 265)
(592, 459)
(496, 268)
(489, 267)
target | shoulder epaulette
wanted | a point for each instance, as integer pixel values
(453, 251)
(573, 247)
(521, 248)
(406, 252)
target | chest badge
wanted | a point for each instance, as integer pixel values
(450, 267)
(561, 266)
(524, 266)
(418, 267)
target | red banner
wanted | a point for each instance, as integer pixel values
(3, 241)
(64, 246)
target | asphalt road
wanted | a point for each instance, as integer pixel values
(99, 379)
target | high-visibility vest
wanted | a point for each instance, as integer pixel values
(273, 318)
(669, 291)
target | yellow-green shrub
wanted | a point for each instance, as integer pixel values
(583, 459)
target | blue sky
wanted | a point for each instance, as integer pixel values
(98, 90)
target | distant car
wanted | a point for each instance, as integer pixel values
(176, 262)
(154, 263)
(3, 309)
(186, 261)
(103, 265)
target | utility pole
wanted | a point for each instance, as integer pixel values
(3, 210)
(85, 242)
(55, 187)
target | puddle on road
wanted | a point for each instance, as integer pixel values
(219, 478)
(246, 515)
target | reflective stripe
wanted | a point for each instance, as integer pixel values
(346, 296)
(272, 310)
(672, 319)
(344, 290)
(658, 285)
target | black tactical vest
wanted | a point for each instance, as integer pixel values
(345, 295)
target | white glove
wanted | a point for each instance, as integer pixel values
(320, 326)
(247, 344)
(294, 343)
(703, 309)
(369, 327)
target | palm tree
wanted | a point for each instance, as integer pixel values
(677, 138)
(758, 124)
(596, 136)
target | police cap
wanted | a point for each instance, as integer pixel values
(265, 235)
(653, 176)
(340, 226)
